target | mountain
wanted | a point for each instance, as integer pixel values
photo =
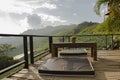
(40, 43)
(49, 30)
(79, 28)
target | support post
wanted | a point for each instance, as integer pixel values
(106, 41)
(112, 42)
(68, 38)
(63, 39)
(31, 50)
(25, 51)
(50, 42)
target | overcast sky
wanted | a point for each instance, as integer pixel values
(17, 16)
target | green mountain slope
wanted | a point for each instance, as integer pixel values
(50, 30)
(82, 28)
(41, 43)
(101, 28)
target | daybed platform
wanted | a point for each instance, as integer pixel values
(67, 67)
(73, 52)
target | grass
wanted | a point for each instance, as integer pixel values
(11, 72)
(41, 56)
(15, 70)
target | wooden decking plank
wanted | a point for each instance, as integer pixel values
(67, 66)
(105, 68)
(73, 52)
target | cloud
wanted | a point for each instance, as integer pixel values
(9, 26)
(39, 13)
(21, 6)
(48, 5)
(34, 21)
(51, 18)
(24, 23)
(2, 14)
(41, 20)
(70, 10)
(16, 16)
(24, 11)
(15, 6)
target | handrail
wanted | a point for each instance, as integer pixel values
(50, 37)
(54, 35)
(21, 35)
(11, 67)
(41, 53)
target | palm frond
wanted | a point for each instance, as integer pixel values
(98, 5)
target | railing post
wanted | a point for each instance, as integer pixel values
(31, 50)
(25, 51)
(112, 42)
(63, 38)
(50, 42)
(106, 41)
(68, 38)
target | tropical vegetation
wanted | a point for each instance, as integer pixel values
(112, 23)
(6, 60)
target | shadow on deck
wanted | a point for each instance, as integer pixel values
(106, 68)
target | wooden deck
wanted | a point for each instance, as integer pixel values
(106, 68)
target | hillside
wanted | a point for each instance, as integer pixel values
(79, 28)
(40, 43)
(49, 30)
(101, 28)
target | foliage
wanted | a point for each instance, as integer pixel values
(89, 30)
(113, 20)
(98, 5)
(77, 29)
(5, 48)
(6, 61)
(83, 25)
(12, 71)
(73, 38)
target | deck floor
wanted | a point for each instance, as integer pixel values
(106, 68)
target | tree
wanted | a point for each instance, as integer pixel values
(5, 48)
(98, 4)
(113, 20)
(113, 6)
(6, 60)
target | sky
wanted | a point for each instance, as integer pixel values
(16, 16)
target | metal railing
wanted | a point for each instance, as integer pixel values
(101, 39)
(104, 41)
(28, 54)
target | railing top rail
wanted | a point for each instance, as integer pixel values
(21, 35)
